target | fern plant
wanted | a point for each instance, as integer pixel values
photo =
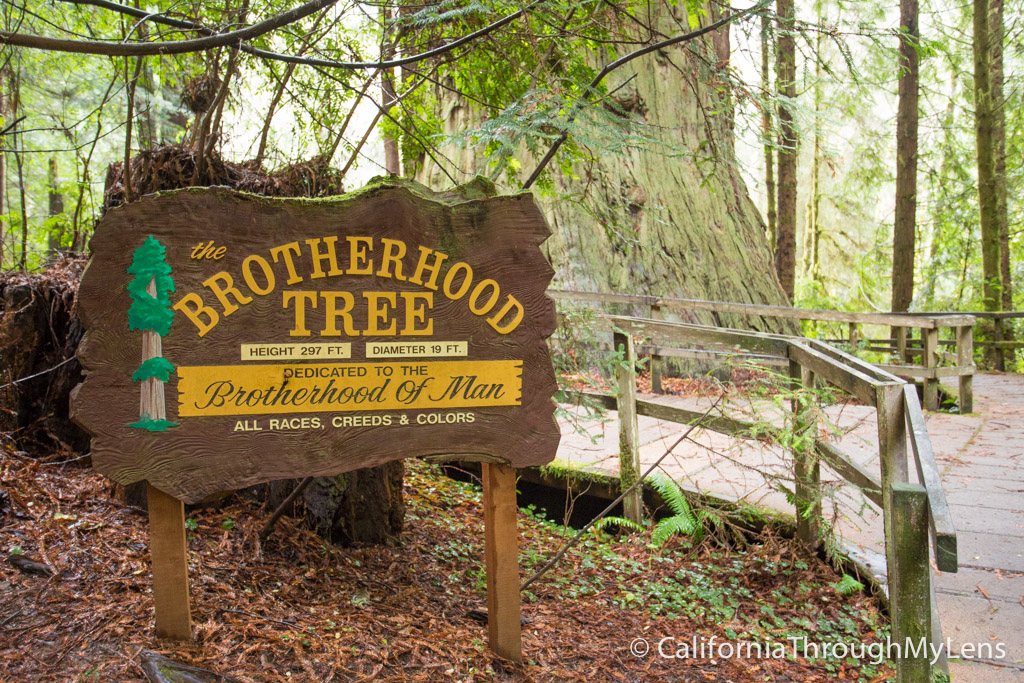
(621, 522)
(848, 585)
(684, 520)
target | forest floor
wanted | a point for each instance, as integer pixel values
(293, 608)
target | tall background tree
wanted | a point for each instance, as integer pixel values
(905, 225)
(786, 204)
(988, 181)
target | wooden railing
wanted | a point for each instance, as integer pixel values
(928, 328)
(906, 507)
(1003, 348)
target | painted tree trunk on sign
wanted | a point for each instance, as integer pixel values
(151, 398)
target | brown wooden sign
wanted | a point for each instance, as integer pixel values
(233, 339)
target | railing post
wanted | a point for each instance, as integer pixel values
(892, 452)
(806, 468)
(655, 359)
(909, 581)
(629, 430)
(929, 349)
(854, 338)
(900, 333)
(998, 359)
(965, 358)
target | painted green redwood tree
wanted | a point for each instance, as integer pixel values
(151, 314)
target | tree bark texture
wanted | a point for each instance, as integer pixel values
(3, 170)
(987, 194)
(722, 41)
(364, 507)
(812, 236)
(785, 240)
(56, 201)
(645, 222)
(392, 158)
(905, 226)
(996, 39)
(767, 127)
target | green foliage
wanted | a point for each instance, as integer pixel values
(153, 425)
(621, 522)
(683, 521)
(148, 266)
(158, 367)
(848, 585)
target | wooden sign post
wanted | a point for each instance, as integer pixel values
(233, 340)
(170, 565)
(501, 550)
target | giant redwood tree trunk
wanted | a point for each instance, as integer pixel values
(678, 225)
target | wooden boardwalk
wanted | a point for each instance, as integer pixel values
(981, 458)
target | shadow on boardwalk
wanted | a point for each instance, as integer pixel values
(980, 456)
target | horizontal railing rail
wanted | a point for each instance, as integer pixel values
(915, 320)
(919, 359)
(900, 422)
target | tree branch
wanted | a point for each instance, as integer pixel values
(173, 47)
(291, 59)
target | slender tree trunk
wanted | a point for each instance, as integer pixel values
(56, 235)
(721, 40)
(146, 133)
(905, 226)
(814, 200)
(3, 168)
(282, 85)
(19, 143)
(996, 38)
(271, 110)
(987, 195)
(785, 243)
(940, 192)
(24, 208)
(392, 158)
(340, 135)
(126, 175)
(766, 125)
(218, 107)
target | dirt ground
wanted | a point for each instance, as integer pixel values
(296, 609)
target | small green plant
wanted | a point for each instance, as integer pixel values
(228, 524)
(191, 524)
(360, 598)
(621, 522)
(848, 585)
(684, 520)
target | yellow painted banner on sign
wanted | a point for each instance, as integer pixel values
(332, 387)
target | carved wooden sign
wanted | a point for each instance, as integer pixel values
(233, 339)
